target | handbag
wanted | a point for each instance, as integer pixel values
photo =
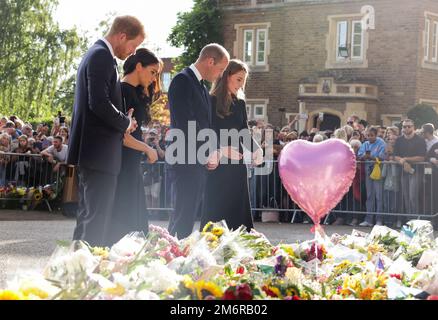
(376, 174)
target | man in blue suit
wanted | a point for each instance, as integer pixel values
(189, 102)
(98, 127)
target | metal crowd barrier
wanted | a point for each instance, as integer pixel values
(29, 180)
(398, 195)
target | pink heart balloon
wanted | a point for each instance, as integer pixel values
(317, 175)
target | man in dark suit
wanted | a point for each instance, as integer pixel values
(98, 127)
(189, 102)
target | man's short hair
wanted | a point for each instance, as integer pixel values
(58, 138)
(364, 123)
(129, 25)
(409, 120)
(373, 130)
(215, 51)
(428, 128)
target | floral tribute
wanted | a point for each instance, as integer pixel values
(221, 264)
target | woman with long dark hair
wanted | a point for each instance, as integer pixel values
(227, 193)
(140, 88)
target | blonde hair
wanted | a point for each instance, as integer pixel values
(341, 134)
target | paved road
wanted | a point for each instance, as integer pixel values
(27, 239)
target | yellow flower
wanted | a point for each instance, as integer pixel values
(343, 265)
(217, 231)
(204, 289)
(207, 227)
(350, 286)
(188, 282)
(276, 291)
(102, 252)
(379, 294)
(118, 290)
(11, 295)
(211, 237)
(288, 250)
(170, 291)
(366, 294)
(34, 292)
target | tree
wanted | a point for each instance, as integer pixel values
(37, 59)
(160, 110)
(196, 29)
(423, 113)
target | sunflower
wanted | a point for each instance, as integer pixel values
(217, 231)
(207, 227)
(205, 289)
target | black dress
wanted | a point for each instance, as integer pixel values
(227, 194)
(129, 210)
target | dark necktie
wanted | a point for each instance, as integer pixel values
(207, 99)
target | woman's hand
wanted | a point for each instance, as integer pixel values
(231, 153)
(257, 157)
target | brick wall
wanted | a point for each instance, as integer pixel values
(298, 36)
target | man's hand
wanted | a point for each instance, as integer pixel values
(56, 167)
(132, 122)
(231, 153)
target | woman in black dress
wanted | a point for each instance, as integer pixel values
(140, 87)
(227, 193)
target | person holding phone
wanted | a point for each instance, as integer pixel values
(371, 150)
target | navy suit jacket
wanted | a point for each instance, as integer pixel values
(98, 123)
(189, 101)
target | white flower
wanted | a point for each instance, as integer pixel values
(157, 276)
(68, 265)
(126, 249)
(146, 295)
(294, 275)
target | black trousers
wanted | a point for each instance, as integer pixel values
(189, 186)
(96, 198)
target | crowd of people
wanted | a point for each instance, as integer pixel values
(405, 185)
(26, 151)
(408, 175)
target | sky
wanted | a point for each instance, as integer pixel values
(158, 17)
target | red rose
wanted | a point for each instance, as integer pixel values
(240, 270)
(229, 295)
(244, 292)
(397, 276)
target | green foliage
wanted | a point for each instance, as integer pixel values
(37, 59)
(423, 113)
(196, 29)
